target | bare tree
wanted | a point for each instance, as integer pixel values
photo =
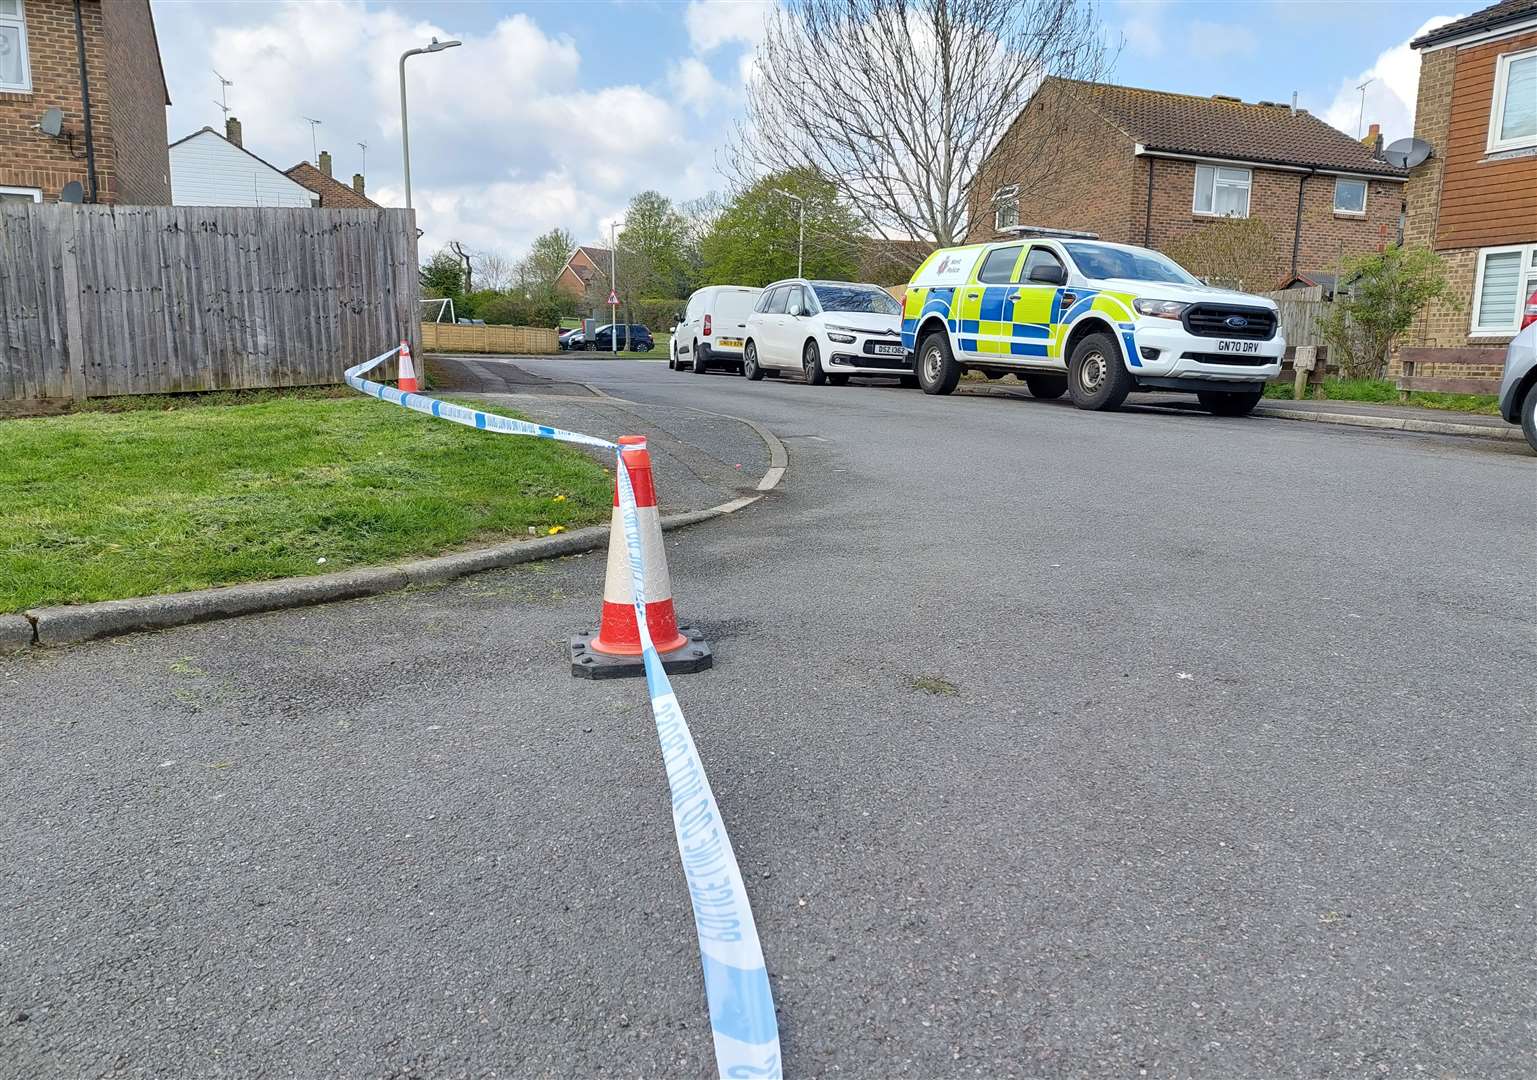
(494, 270)
(911, 99)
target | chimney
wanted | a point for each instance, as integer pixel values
(232, 130)
(1373, 133)
(325, 162)
(357, 182)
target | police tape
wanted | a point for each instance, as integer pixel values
(736, 982)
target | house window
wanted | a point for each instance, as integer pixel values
(1222, 192)
(1506, 277)
(1349, 196)
(1006, 208)
(1513, 114)
(21, 194)
(14, 73)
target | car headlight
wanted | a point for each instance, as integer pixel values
(841, 339)
(1160, 309)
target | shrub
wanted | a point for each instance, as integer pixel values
(1378, 298)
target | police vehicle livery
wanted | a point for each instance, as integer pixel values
(1070, 314)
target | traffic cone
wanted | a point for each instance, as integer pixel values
(407, 381)
(614, 649)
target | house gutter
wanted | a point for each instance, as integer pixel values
(85, 107)
(1297, 235)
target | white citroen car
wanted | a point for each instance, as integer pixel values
(827, 331)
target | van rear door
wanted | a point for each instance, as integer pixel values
(732, 306)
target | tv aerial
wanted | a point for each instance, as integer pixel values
(224, 85)
(314, 139)
(1407, 153)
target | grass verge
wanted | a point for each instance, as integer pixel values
(165, 499)
(1384, 392)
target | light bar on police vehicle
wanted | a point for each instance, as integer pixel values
(1041, 230)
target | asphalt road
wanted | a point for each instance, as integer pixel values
(1051, 745)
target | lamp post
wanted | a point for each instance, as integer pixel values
(613, 288)
(405, 135)
(800, 242)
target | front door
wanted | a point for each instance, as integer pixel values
(983, 326)
(1035, 309)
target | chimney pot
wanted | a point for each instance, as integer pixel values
(357, 182)
(325, 162)
(232, 130)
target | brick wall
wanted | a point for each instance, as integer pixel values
(1273, 199)
(136, 100)
(31, 159)
(1432, 113)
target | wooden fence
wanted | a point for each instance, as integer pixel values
(97, 301)
(1301, 310)
(522, 340)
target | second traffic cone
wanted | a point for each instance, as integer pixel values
(407, 381)
(615, 649)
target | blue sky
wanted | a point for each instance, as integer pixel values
(556, 113)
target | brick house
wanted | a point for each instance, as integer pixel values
(1154, 168)
(1474, 200)
(585, 265)
(106, 79)
(333, 193)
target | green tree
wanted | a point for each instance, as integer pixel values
(752, 241)
(1377, 298)
(1234, 253)
(538, 270)
(652, 253)
(443, 277)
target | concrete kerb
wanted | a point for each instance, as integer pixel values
(68, 625)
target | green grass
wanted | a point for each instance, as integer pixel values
(1383, 391)
(168, 497)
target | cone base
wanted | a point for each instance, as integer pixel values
(587, 663)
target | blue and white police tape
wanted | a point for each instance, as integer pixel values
(735, 979)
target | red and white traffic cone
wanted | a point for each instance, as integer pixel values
(407, 381)
(614, 650)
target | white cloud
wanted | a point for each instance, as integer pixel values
(694, 84)
(509, 137)
(1215, 41)
(713, 23)
(1391, 94)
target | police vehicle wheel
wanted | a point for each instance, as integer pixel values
(701, 359)
(1096, 377)
(750, 366)
(838, 380)
(937, 370)
(1228, 403)
(811, 361)
(1046, 387)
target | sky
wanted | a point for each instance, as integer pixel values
(555, 114)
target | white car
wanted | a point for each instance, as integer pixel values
(1092, 319)
(710, 332)
(826, 330)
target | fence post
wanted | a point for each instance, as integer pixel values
(74, 334)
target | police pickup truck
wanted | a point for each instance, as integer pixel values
(1072, 314)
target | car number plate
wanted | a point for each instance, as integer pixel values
(888, 350)
(731, 342)
(1238, 346)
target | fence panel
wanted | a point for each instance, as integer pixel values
(521, 340)
(1300, 312)
(98, 301)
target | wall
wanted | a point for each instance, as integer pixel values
(521, 340)
(208, 170)
(1273, 199)
(99, 301)
(136, 102)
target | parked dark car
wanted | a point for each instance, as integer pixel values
(572, 339)
(632, 336)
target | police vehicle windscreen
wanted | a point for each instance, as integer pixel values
(1107, 262)
(836, 297)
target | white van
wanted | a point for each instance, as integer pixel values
(710, 332)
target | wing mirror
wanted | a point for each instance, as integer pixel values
(1049, 274)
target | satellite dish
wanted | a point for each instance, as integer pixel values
(1407, 153)
(72, 193)
(52, 122)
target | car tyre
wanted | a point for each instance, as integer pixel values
(750, 366)
(1529, 417)
(1229, 403)
(1097, 378)
(811, 363)
(1046, 387)
(701, 359)
(938, 373)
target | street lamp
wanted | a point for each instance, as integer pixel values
(405, 135)
(800, 243)
(613, 288)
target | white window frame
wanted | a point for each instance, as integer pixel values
(1525, 283)
(19, 21)
(1366, 194)
(1195, 194)
(1497, 104)
(36, 193)
(1005, 196)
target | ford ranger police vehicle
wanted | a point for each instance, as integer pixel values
(1072, 314)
